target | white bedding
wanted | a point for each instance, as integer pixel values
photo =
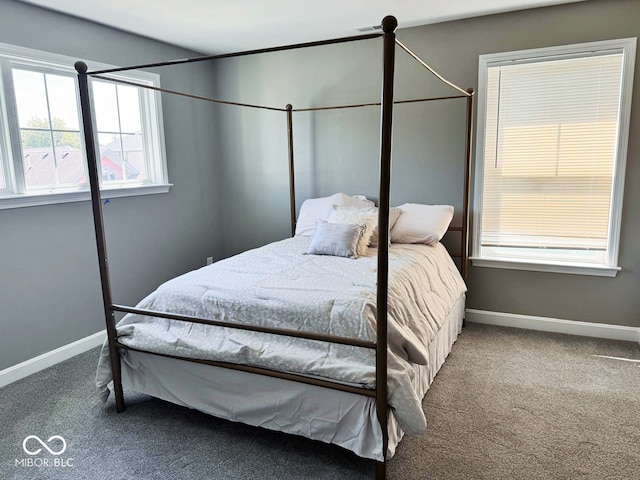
(322, 414)
(276, 285)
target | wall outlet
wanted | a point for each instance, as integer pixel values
(209, 260)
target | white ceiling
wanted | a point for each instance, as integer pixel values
(222, 26)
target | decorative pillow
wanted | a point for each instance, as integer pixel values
(421, 223)
(394, 214)
(366, 217)
(315, 209)
(337, 239)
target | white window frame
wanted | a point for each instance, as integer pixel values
(16, 195)
(610, 268)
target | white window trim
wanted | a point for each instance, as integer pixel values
(611, 268)
(552, 267)
(32, 200)
(157, 169)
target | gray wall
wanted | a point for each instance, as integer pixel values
(338, 151)
(49, 284)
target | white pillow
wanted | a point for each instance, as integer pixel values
(314, 209)
(394, 214)
(336, 239)
(364, 198)
(365, 217)
(421, 223)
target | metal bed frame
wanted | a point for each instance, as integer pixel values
(389, 25)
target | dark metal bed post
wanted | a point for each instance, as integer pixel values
(467, 185)
(98, 223)
(292, 178)
(389, 25)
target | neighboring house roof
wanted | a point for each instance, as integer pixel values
(39, 171)
(133, 145)
(38, 165)
(129, 143)
(115, 163)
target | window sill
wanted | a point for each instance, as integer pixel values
(49, 198)
(556, 267)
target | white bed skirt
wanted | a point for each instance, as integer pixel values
(331, 416)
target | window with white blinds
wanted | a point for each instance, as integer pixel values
(551, 153)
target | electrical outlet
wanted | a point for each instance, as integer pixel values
(209, 260)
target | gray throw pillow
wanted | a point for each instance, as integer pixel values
(336, 239)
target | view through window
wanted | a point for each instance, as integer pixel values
(42, 147)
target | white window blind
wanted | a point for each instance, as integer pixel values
(550, 151)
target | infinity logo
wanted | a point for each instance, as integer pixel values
(55, 437)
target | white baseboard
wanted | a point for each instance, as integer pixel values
(572, 327)
(46, 360)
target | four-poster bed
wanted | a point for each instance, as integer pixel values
(345, 389)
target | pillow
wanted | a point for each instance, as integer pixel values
(315, 209)
(337, 239)
(365, 199)
(421, 223)
(394, 214)
(366, 217)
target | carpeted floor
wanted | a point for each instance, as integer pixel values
(507, 404)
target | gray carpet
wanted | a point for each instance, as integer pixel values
(507, 404)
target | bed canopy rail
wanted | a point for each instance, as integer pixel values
(375, 104)
(244, 53)
(465, 93)
(183, 94)
(265, 107)
(380, 393)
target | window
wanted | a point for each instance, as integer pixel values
(42, 153)
(551, 153)
(49, 129)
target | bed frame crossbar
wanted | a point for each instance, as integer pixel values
(267, 372)
(321, 337)
(389, 25)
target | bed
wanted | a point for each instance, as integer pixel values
(336, 349)
(279, 285)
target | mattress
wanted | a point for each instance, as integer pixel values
(330, 416)
(279, 286)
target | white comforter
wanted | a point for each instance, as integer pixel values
(279, 286)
